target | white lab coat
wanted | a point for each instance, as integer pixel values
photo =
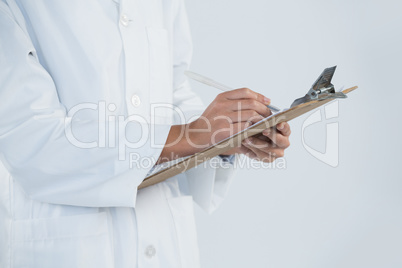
(62, 205)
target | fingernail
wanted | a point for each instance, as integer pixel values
(280, 126)
(267, 101)
(266, 132)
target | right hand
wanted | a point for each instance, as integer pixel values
(228, 114)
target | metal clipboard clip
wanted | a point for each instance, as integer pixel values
(322, 89)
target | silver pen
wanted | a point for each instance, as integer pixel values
(212, 83)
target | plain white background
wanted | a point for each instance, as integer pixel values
(309, 214)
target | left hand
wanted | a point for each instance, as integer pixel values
(266, 147)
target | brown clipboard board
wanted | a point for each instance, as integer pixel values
(234, 141)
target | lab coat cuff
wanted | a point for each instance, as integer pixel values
(125, 185)
(209, 182)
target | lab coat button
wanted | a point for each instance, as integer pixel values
(135, 100)
(124, 20)
(150, 251)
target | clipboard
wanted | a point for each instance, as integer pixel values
(235, 140)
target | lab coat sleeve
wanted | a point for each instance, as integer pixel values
(34, 135)
(209, 182)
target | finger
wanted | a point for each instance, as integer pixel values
(246, 93)
(264, 147)
(263, 150)
(256, 143)
(277, 138)
(247, 152)
(263, 138)
(260, 155)
(249, 104)
(244, 116)
(284, 128)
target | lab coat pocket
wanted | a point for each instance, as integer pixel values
(160, 73)
(72, 241)
(182, 210)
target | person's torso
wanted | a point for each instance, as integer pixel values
(117, 53)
